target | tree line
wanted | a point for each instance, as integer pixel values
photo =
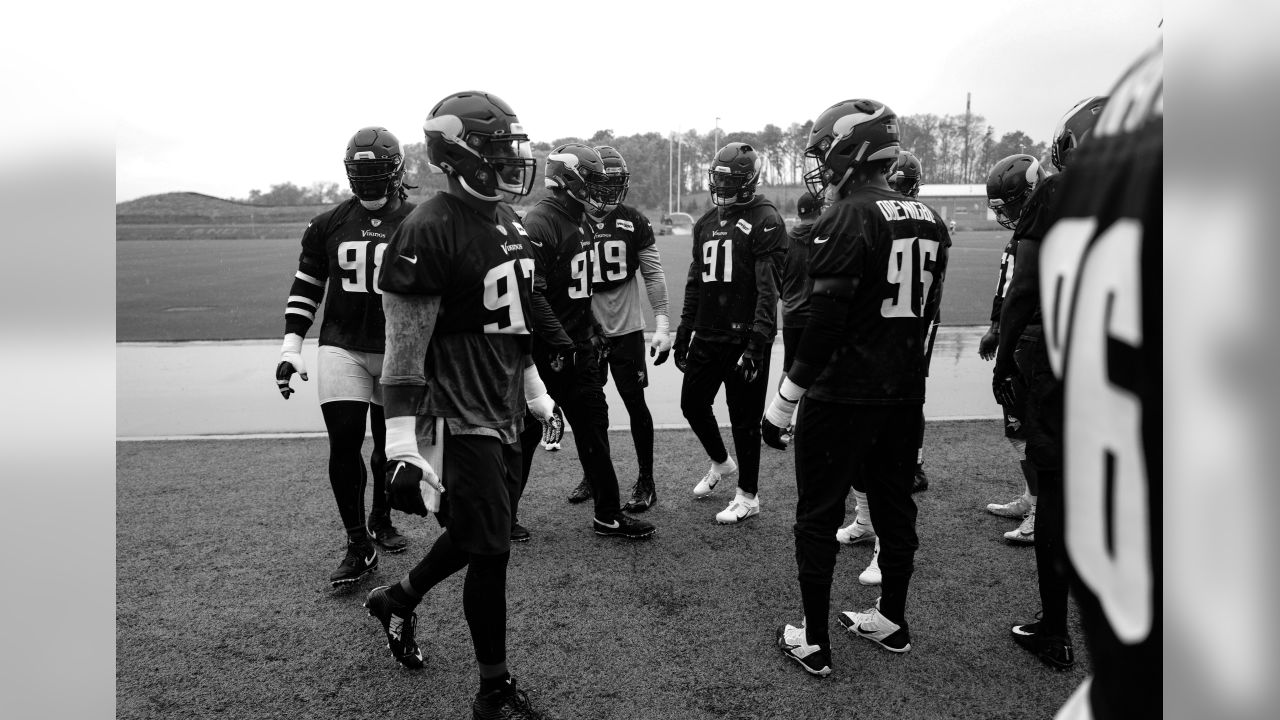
(951, 149)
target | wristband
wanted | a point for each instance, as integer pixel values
(292, 344)
(534, 388)
(788, 390)
(662, 324)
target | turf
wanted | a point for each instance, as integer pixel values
(223, 609)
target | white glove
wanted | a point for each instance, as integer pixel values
(290, 362)
(402, 446)
(784, 404)
(535, 395)
(660, 343)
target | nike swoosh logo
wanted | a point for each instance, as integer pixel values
(369, 560)
(820, 240)
(614, 526)
(413, 259)
(770, 228)
(535, 242)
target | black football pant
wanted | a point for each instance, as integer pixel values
(580, 394)
(1044, 453)
(712, 363)
(835, 445)
(344, 420)
(626, 363)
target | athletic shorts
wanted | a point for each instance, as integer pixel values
(627, 364)
(349, 375)
(481, 479)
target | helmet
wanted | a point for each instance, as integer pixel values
(846, 135)
(734, 174)
(578, 169)
(477, 138)
(616, 168)
(375, 165)
(1010, 184)
(1073, 128)
(906, 173)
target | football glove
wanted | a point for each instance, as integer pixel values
(752, 360)
(1006, 389)
(553, 430)
(560, 359)
(684, 334)
(660, 343)
(599, 349)
(412, 484)
(775, 426)
(290, 362)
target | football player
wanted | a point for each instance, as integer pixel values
(341, 254)
(878, 266)
(622, 240)
(797, 286)
(1021, 351)
(729, 320)
(1100, 278)
(457, 291)
(1009, 186)
(561, 245)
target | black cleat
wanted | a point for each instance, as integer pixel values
(921, 481)
(582, 493)
(519, 533)
(643, 495)
(507, 703)
(398, 623)
(1055, 651)
(386, 534)
(361, 560)
(623, 526)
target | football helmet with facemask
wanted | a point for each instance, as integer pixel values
(476, 137)
(734, 174)
(375, 164)
(906, 173)
(1009, 184)
(846, 135)
(1073, 128)
(616, 169)
(578, 170)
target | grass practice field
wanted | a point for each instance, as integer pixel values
(223, 608)
(212, 287)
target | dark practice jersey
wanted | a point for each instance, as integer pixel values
(897, 248)
(1101, 268)
(617, 240)
(1008, 259)
(1034, 223)
(341, 257)
(732, 286)
(797, 285)
(484, 277)
(561, 247)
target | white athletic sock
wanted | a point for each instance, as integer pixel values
(862, 509)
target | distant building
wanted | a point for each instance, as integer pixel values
(965, 204)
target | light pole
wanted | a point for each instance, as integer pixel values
(680, 171)
(671, 168)
(717, 147)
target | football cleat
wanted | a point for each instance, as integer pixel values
(1026, 532)
(505, 703)
(1055, 651)
(386, 535)
(1016, 508)
(553, 430)
(739, 509)
(871, 576)
(519, 533)
(795, 645)
(713, 476)
(398, 623)
(582, 493)
(623, 526)
(361, 560)
(643, 495)
(874, 626)
(856, 532)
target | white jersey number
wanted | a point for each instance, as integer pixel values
(717, 256)
(353, 258)
(905, 256)
(502, 292)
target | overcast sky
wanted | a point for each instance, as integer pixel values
(249, 94)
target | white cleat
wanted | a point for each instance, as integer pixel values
(1018, 507)
(1026, 532)
(740, 509)
(856, 532)
(713, 476)
(871, 576)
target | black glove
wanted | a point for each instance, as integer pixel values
(561, 359)
(681, 348)
(1006, 389)
(404, 490)
(600, 348)
(772, 435)
(752, 360)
